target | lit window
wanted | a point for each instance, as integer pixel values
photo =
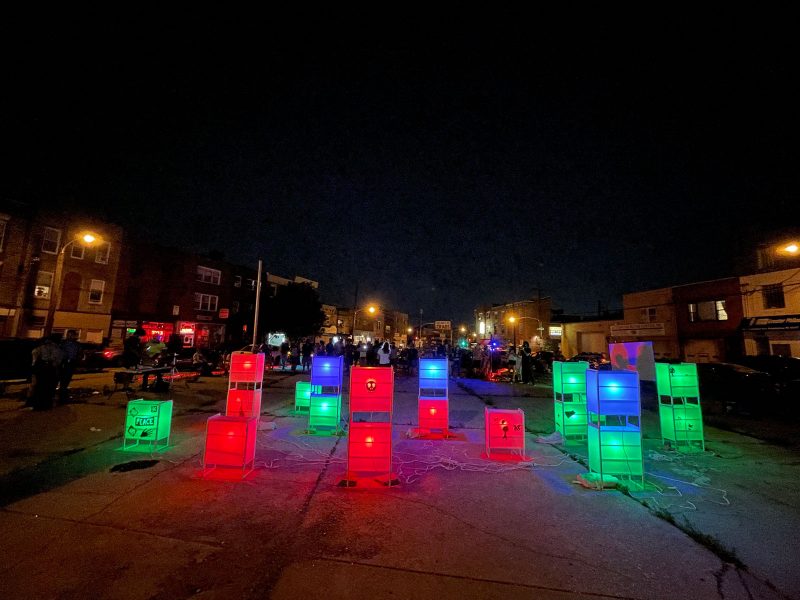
(710, 310)
(51, 240)
(722, 315)
(205, 302)
(103, 251)
(96, 291)
(44, 282)
(207, 275)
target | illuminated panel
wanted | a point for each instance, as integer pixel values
(505, 431)
(569, 395)
(244, 399)
(371, 389)
(325, 400)
(369, 444)
(246, 366)
(147, 425)
(302, 396)
(230, 443)
(679, 406)
(433, 406)
(614, 428)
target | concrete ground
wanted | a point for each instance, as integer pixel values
(83, 519)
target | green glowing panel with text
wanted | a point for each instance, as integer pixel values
(147, 425)
(569, 394)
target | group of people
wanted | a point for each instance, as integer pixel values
(54, 362)
(380, 353)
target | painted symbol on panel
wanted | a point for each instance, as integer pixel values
(504, 427)
(145, 421)
(131, 431)
(146, 433)
(133, 411)
(371, 385)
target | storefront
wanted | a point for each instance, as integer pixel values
(201, 334)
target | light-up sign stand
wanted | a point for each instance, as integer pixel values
(245, 385)
(614, 428)
(369, 443)
(147, 425)
(325, 401)
(230, 444)
(569, 394)
(505, 431)
(302, 396)
(679, 406)
(433, 407)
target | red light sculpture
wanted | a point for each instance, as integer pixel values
(230, 444)
(505, 431)
(244, 387)
(369, 445)
(433, 396)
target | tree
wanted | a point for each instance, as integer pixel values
(295, 310)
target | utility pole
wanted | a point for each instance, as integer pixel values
(258, 305)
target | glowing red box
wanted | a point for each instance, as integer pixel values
(243, 402)
(371, 389)
(246, 366)
(505, 430)
(230, 443)
(369, 448)
(433, 414)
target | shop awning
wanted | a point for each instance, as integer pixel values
(776, 323)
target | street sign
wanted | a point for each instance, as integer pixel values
(442, 325)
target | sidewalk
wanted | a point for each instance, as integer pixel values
(457, 526)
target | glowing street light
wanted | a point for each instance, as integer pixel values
(370, 309)
(792, 248)
(84, 238)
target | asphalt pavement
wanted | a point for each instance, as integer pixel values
(81, 518)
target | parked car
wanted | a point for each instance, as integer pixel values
(785, 371)
(732, 388)
(96, 357)
(596, 360)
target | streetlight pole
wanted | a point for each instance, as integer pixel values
(87, 239)
(371, 309)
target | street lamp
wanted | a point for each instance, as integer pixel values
(790, 249)
(514, 326)
(370, 309)
(86, 238)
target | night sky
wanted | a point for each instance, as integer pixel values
(439, 170)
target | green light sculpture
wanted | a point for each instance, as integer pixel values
(325, 401)
(569, 395)
(147, 425)
(679, 406)
(302, 396)
(614, 429)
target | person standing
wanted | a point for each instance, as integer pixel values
(307, 350)
(47, 359)
(527, 363)
(385, 355)
(71, 351)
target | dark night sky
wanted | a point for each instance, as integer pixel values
(439, 170)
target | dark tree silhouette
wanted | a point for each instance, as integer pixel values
(295, 310)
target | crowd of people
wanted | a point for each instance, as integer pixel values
(54, 362)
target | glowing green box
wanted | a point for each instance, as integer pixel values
(302, 396)
(325, 400)
(147, 425)
(569, 395)
(679, 406)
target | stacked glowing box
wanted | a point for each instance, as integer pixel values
(433, 396)
(230, 443)
(679, 405)
(614, 428)
(147, 425)
(244, 386)
(505, 431)
(231, 438)
(325, 401)
(302, 396)
(369, 445)
(569, 392)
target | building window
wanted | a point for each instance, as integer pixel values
(205, 302)
(773, 296)
(237, 281)
(235, 306)
(2, 233)
(251, 284)
(44, 282)
(77, 251)
(103, 251)
(51, 240)
(96, 291)
(710, 310)
(648, 315)
(207, 275)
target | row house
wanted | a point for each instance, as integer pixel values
(516, 322)
(771, 304)
(58, 271)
